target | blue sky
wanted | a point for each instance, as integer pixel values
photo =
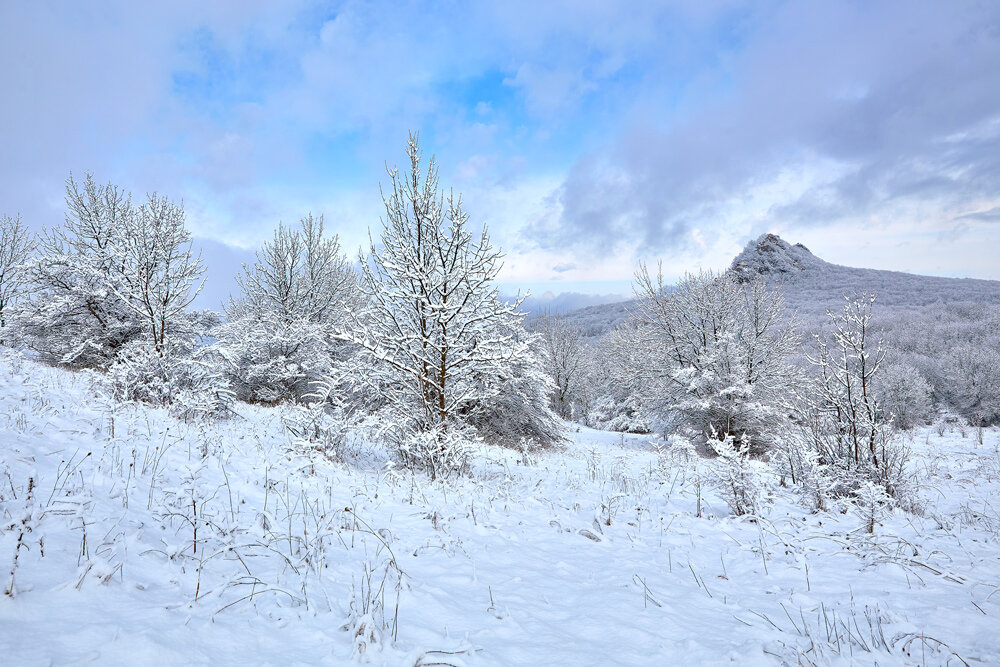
(588, 135)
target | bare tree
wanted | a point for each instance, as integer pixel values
(16, 246)
(157, 274)
(852, 430)
(564, 352)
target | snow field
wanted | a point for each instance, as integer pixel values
(129, 537)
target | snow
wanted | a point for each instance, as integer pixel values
(588, 555)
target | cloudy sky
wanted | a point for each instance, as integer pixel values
(588, 135)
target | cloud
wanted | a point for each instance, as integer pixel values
(587, 135)
(866, 111)
(991, 215)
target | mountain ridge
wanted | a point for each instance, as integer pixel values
(812, 286)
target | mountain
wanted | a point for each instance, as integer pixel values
(812, 286)
(769, 255)
(594, 321)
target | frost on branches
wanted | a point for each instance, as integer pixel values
(564, 354)
(615, 384)
(113, 274)
(76, 317)
(848, 428)
(519, 412)
(715, 355)
(111, 290)
(278, 342)
(444, 344)
(16, 246)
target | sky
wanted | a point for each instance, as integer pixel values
(587, 135)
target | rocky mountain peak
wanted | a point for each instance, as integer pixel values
(770, 255)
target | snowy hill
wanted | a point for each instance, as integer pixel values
(812, 286)
(595, 321)
(129, 537)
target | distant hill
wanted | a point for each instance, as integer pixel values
(564, 302)
(595, 321)
(812, 286)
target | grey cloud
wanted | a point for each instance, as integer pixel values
(905, 96)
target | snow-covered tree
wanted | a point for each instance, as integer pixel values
(716, 354)
(904, 394)
(16, 246)
(520, 407)
(850, 430)
(564, 354)
(114, 273)
(973, 375)
(156, 273)
(434, 321)
(278, 339)
(76, 316)
(614, 382)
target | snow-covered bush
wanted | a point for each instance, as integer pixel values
(439, 452)
(738, 476)
(139, 373)
(187, 380)
(797, 462)
(872, 503)
(278, 340)
(320, 423)
(715, 354)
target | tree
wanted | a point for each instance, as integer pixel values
(904, 394)
(279, 336)
(156, 273)
(715, 354)
(434, 321)
(520, 410)
(615, 384)
(16, 246)
(112, 274)
(77, 318)
(973, 376)
(850, 429)
(564, 353)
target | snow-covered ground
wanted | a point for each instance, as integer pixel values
(123, 544)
